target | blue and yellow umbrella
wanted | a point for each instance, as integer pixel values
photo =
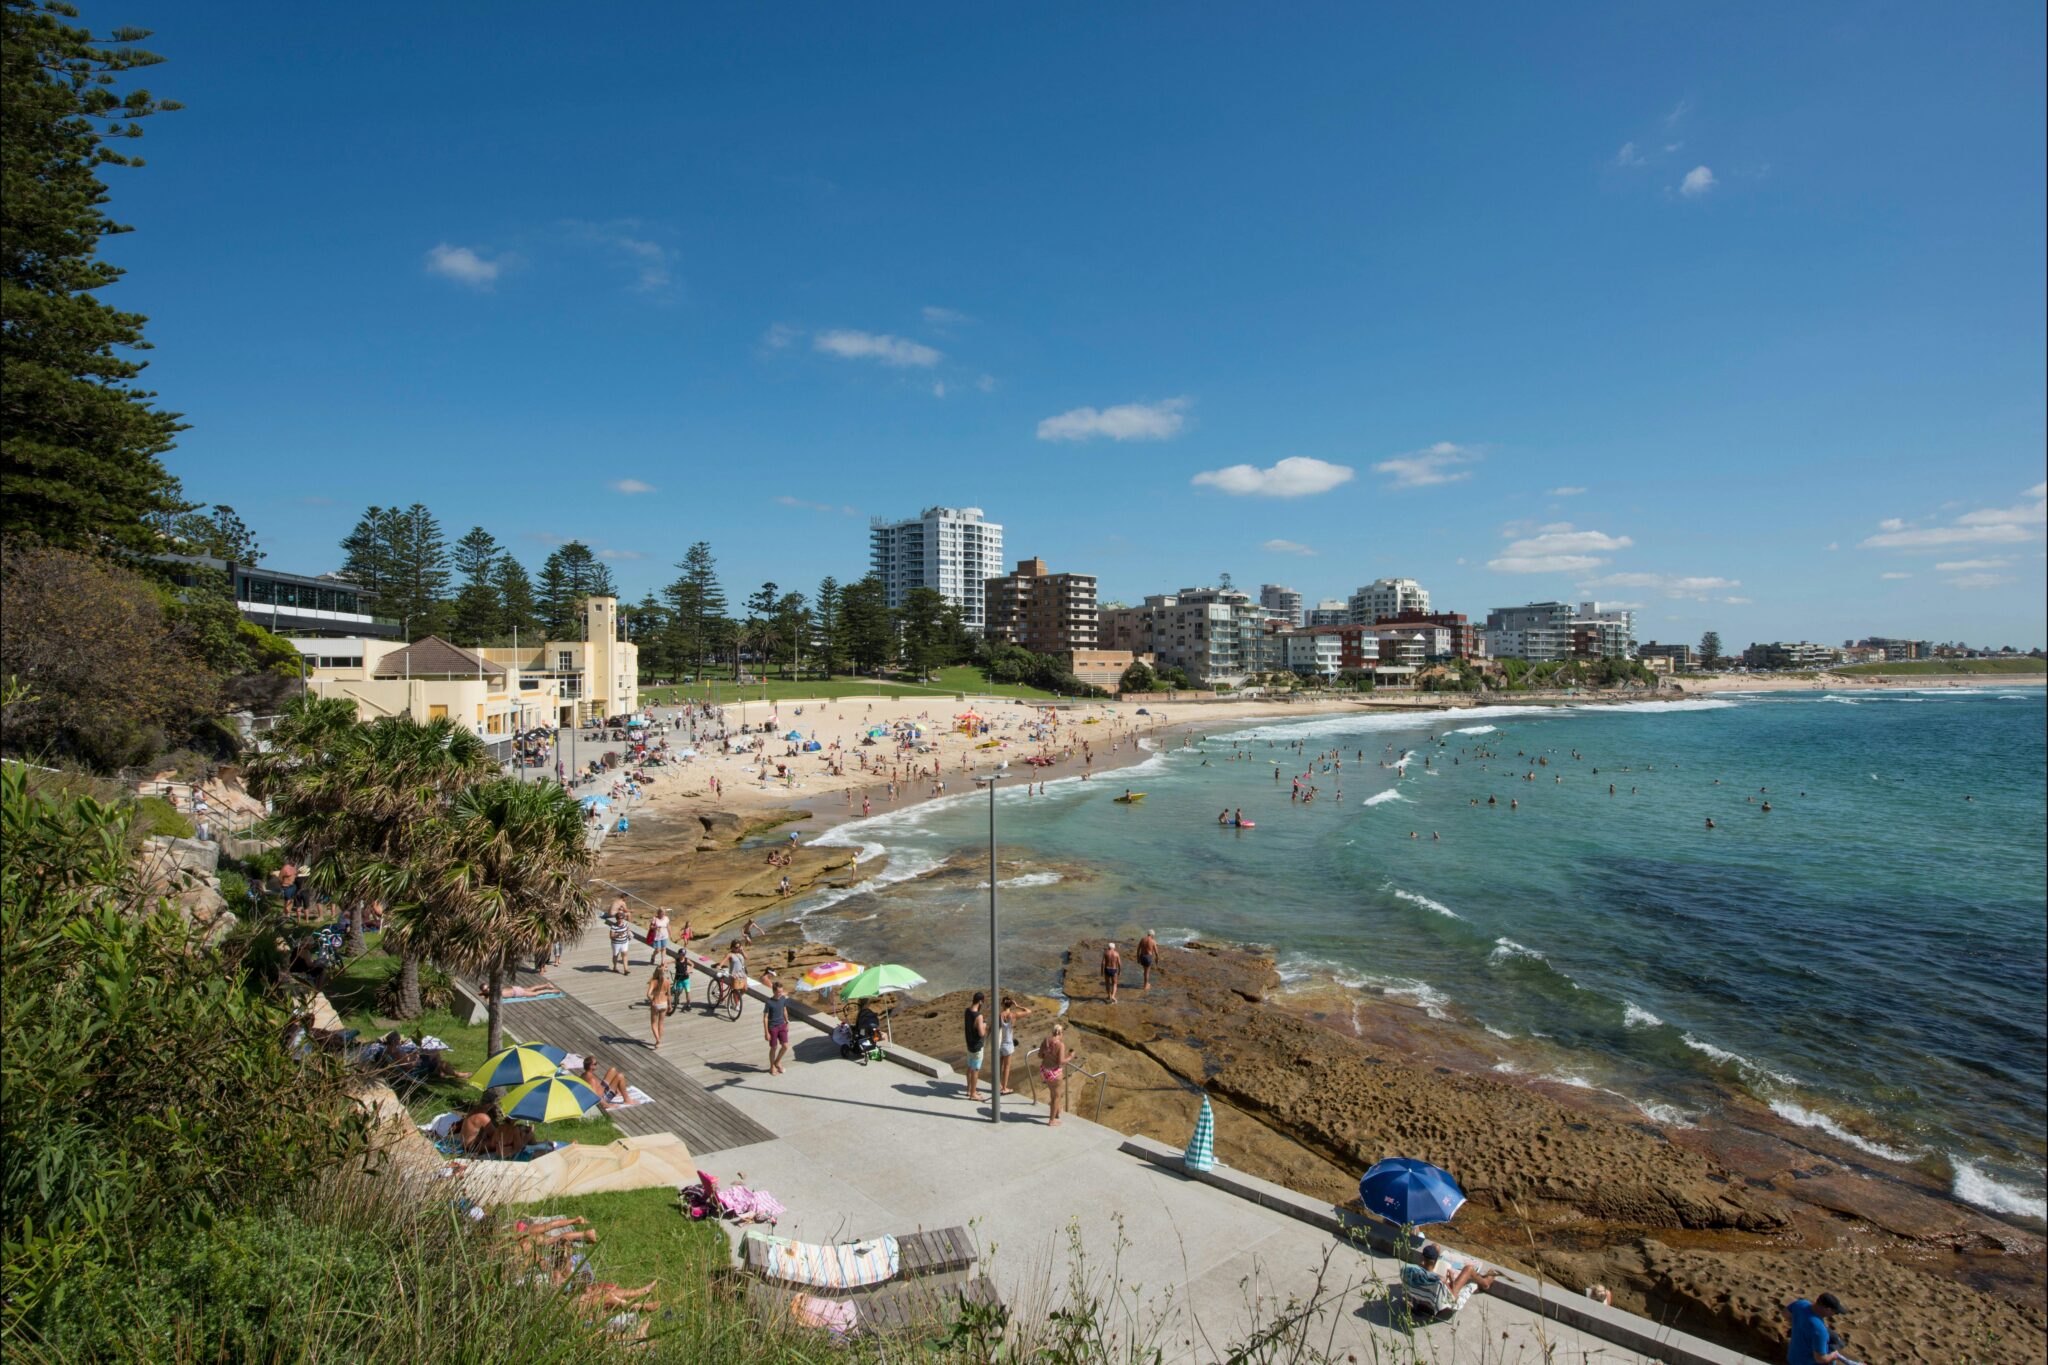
(517, 1065)
(548, 1100)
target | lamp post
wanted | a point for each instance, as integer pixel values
(995, 983)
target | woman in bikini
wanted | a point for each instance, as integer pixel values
(657, 999)
(1052, 1068)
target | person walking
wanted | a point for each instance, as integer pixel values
(974, 1033)
(1112, 969)
(658, 1000)
(657, 936)
(1148, 956)
(1052, 1069)
(622, 941)
(775, 1027)
(679, 984)
(1007, 1040)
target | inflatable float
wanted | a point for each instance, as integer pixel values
(1129, 798)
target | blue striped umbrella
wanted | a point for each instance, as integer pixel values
(1201, 1152)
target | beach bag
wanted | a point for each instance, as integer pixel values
(701, 1199)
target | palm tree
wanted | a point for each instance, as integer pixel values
(508, 879)
(362, 810)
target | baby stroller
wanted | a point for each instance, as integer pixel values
(863, 1042)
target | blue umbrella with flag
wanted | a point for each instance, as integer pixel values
(1408, 1192)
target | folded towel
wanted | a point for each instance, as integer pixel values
(849, 1265)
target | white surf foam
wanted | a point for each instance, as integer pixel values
(1473, 730)
(1845, 701)
(1635, 1016)
(1808, 1118)
(1381, 798)
(1498, 1032)
(1425, 902)
(1669, 1115)
(1973, 1186)
(1023, 880)
(1506, 949)
(903, 866)
(1737, 1060)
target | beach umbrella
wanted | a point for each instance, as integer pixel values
(827, 974)
(1201, 1152)
(516, 1065)
(1408, 1192)
(548, 1100)
(880, 981)
(595, 803)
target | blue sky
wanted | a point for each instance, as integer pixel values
(1735, 312)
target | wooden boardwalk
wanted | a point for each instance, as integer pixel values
(680, 1105)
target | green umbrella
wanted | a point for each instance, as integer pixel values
(880, 981)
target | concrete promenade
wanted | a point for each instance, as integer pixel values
(858, 1151)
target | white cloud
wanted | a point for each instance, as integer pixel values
(1973, 581)
(849, 344)
(620, 554)
(1697, 182)
(1678, 111)
(935, 316)
(1738, 601)
(1285, 547)
(1557, 548)
(464, 266)
(1894, 575)
(987, 383)
(780, 335)
(1691, 587)
(1568, 491)
(1967, 565)
(1124, 422)
(1987, 526)
(1422, 468)
(1628, 155)
(648, 260)
(631, 486)
(1294, 477)
(939, 389)
(1834, 545)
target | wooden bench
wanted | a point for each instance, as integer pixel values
(907, 1309)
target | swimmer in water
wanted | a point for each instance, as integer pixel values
(1767, 805)
(1710, 822)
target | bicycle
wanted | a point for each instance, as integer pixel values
(725, 998)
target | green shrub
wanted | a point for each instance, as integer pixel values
(234, 889)
(156, 816)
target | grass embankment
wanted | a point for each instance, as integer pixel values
(946, 682)
(354, 996)
(1925, 668)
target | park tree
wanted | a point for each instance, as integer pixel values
(867, 639)
(1137, 678)
(922, 622)
(696, 604)
(400, 557)
(759, 630)
(569, 575)
(80, 443)
(793, 623)
(825, 625)
(518, 614)
(1710, 648)
(216, 532)
(477, 613)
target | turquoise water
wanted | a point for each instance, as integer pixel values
(1868, 957)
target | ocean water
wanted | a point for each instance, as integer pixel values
(1868, 957)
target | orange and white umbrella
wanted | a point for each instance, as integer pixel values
(828, 974)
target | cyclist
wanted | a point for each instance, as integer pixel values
(732, 977)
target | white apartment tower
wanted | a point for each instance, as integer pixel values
(950, 549)
(1284, 603)
(1385, 597)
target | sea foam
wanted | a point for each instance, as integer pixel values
(1973, 1186)
(1635, 1016)
(1381, 798)
(1808, 1118)
(1425, 902)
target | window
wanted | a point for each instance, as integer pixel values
(565, 660)
(437, 712)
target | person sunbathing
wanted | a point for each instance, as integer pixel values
(470, 1132)
(1453, 1284)
(608, 1081)
(532, 1235)
(506, 1139)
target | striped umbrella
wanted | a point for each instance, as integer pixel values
(827, 974)
(517, 1065)
(1201, 1152)
(549, 1099)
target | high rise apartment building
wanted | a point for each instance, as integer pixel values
(1214, 635)
(1385, 597)
(1331, 611)
(1284, 603)
(1543, 631)
(953, 550)
(1046, 613)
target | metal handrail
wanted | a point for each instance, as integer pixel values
(1101, 1079)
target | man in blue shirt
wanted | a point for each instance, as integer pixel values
(1811, 1343)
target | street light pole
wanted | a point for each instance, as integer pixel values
(995, 984)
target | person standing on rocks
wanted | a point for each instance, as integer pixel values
(1148, 956)
(1811, 1343)
(1112, 970)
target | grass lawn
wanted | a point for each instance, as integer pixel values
(354, 997)
(1940, 667)
(642, 1235)
(947, 682)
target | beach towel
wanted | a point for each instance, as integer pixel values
(743, 1205)
(849, 1265)
(634, 1095)
(442, 1124)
